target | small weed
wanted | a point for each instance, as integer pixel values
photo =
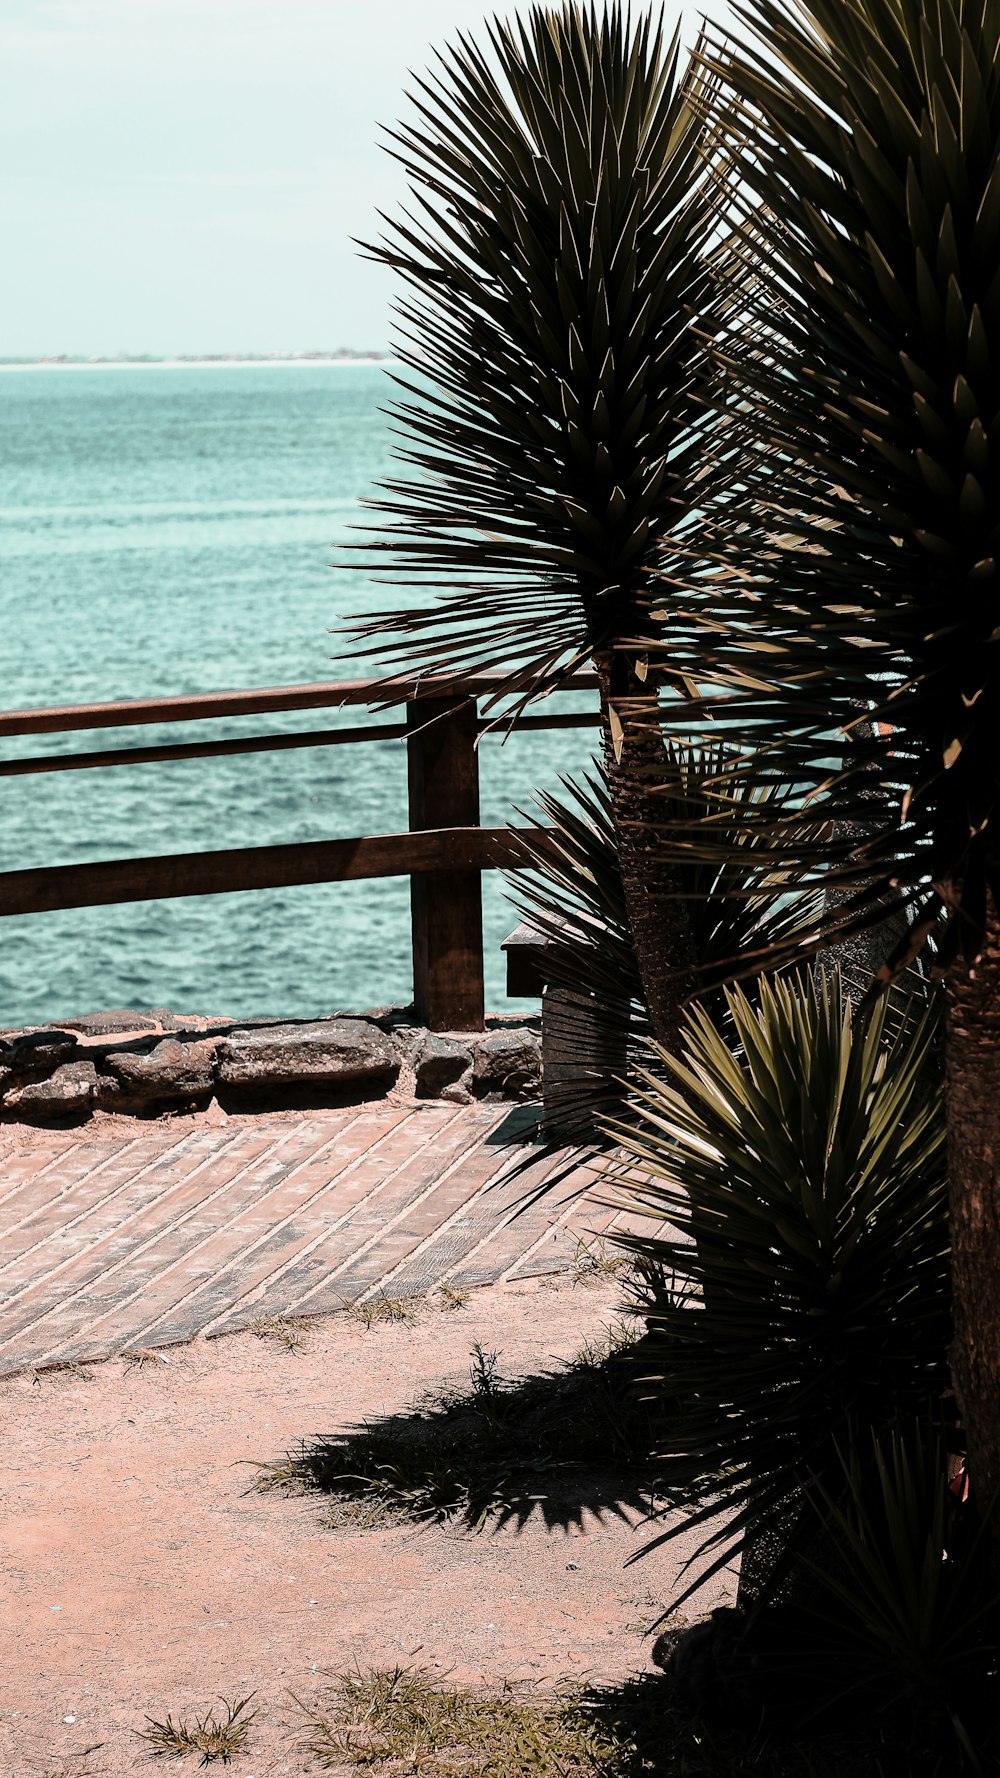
(594, 1354)
(651, 1607)
(595, 1261)
(143, 1356)
(374, 1311)
(70, 1367)
(374, 1511)
(74, 1770)
(483, 1373)
(288, 1329)
(211, 1737)
(451, 1296)
(287, 1472)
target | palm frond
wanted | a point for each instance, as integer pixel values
(901, 1575)
(856, 569)
(796, 1263)
(551, 410)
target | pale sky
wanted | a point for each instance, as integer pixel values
(186, 175)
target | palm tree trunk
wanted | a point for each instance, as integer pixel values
(660, 923)
(973, 1097)
(861, 956)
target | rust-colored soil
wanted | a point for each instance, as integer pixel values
(140, 1577)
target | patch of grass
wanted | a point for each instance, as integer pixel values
(597, 1261)
(142, 1356)
(451, 1296)
(620, 1336)
(287, 1473)
(375, 1311)
(213, 1737)
(556, 1443)
(373, 1511)
(288, 1329)
(69, 1367)
(402, 1720)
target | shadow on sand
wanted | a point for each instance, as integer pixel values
(561, 1444)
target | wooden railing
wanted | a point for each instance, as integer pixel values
(443, 851)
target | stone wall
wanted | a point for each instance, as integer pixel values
(147, 1063)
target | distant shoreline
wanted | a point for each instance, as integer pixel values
(189, 363)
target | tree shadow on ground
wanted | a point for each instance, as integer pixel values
(558, 1445)
(787, 1692)
(655, 1732)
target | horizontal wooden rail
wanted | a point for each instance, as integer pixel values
(144, 756)
(43, 890)
(204, 706)
(325, 737)
(443, 853)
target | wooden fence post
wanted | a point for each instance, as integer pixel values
(446, 906)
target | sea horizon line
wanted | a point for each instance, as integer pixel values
(208, 363)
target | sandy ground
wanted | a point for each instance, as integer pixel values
(139, 1576)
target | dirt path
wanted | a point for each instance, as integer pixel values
(139, 1576)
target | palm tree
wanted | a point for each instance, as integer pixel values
(553, 411)
(863, 137)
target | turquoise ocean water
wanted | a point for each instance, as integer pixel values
(171, 530)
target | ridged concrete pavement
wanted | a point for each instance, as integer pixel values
(128, 1242)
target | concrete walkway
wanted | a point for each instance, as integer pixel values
(143, 1237)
